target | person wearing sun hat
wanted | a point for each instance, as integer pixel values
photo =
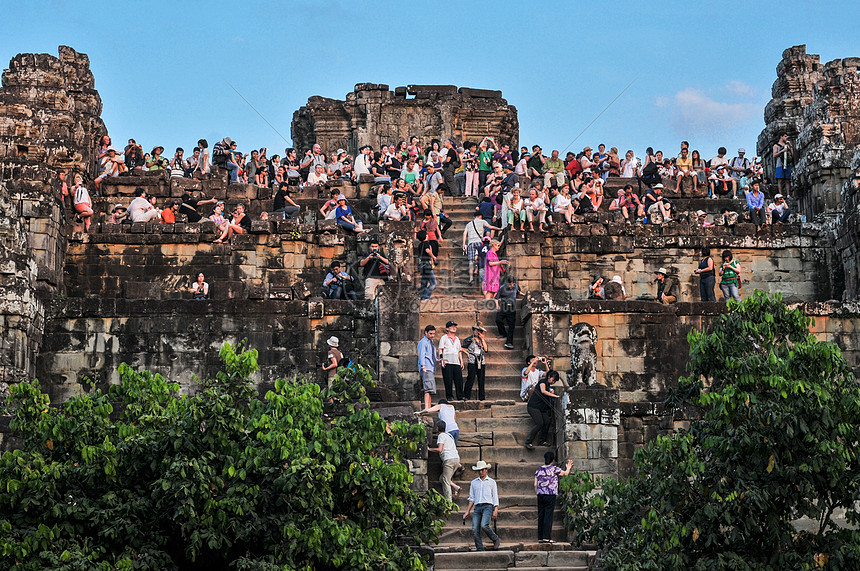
(484, 498)
(333, 358)
(666, 287)
(118, 214)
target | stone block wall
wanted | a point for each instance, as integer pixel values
(374, 115)
(793, 259)
(180, 339)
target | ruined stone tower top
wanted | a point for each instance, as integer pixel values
(49, 116)
(372, 114)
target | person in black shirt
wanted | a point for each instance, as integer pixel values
(708, 278)
(285, 204)
(506, 316)
(189, 207)
(539, 406)
(426, 259)
(376, 270)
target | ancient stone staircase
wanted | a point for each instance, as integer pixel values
(493, 430)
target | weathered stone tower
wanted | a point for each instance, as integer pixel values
(49, 119)
(374, 115)
(818, 106)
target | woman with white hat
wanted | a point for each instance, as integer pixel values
(332, 359)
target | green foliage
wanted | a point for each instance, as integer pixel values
(776, 441)
(141, 477)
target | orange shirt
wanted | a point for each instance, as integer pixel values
(167, 216)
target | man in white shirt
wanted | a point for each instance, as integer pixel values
(484, 497)
(450, 353)
(447, 450)
(140, 210)
(317, 176)
(473, 236)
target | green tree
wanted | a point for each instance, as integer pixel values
(775, 440)
(142, 477)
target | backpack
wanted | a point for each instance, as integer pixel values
(345, 362)
(650, 170)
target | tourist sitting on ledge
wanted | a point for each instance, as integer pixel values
(338, 283)
(657, 208)
(140, 209)
(721, 182)
(199, 289)
(317, 177)
(344, 217)
(561, 202)
(627, 204)
(239, 223)
(755, 203)
(168, 215)
(119, 214)
(155, 161)
(666, 287)
(614, 290)
(582, 201)
(111, 165)
(284, 204)
(397, 210)
(779, 210)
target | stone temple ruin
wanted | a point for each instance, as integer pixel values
(374, 115)
(76, 304)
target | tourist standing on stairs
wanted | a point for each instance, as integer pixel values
(476, 347)
(546, 488)
(493, 270)
(540, 404)
(484, 497)
(427, 364)
(426, 259)
(447, 450)
(506, 305)
(451, 355)
(472, 237)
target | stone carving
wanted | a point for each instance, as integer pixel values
(374, 115)
(583, 355)
(399, 250)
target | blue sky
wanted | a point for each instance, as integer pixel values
(701, 71)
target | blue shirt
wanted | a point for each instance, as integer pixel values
(426, 355)
(754, 201)
(484, 491)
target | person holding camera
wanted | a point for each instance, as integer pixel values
(539, 407)
(375, 266)
(339, 283)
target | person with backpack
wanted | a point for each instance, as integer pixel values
(450, 163)
(739, 165)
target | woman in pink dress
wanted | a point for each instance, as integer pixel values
(493, 270)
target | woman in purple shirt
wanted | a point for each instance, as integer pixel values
(546, 486)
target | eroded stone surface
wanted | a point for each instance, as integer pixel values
(374, 115)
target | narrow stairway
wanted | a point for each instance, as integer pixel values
(493, 430)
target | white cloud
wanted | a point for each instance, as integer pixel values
(739, 88)
(692, 112)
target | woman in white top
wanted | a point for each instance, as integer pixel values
(199, 289)
(447, 414)
(531, 375)
(629, 165)
(83, 203)
(203, 160)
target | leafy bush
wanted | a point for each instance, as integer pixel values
(141, 477)
(776, 441)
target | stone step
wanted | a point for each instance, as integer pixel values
(462, 534)
(508, 516)
(501, 559)
(512, 559)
